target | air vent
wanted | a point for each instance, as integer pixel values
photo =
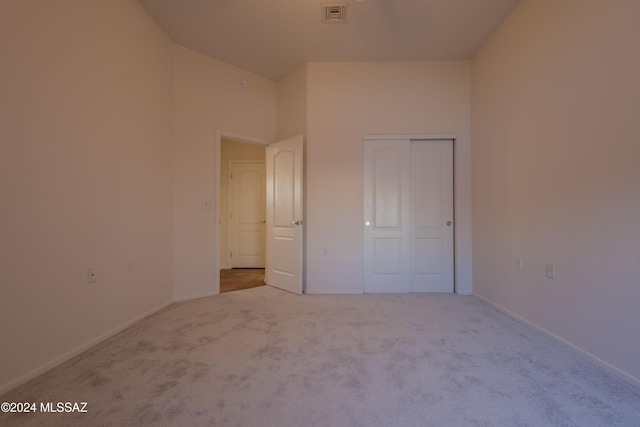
(334, 13)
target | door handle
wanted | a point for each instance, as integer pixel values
(296, 222)
(263, 221)
(449, 223)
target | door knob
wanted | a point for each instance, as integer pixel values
(449, 223)
(263, 221)
(296, 222)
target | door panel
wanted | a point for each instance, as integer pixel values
(247, 214)
(283, 190)
(283, 260)
(284, 215)
(428, 256)
(427, 175)
(387, 256)
(387, 187)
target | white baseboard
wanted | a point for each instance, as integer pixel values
(616, 371)
(68, 355)
(332, 292)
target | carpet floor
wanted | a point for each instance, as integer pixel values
(265, 357)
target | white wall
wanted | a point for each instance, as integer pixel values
(348, 100)
(231, 150)
(555, 107)
(85, 175)
(208, 99)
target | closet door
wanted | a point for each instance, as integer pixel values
(408, 223)
(387, 181)
(432, 216)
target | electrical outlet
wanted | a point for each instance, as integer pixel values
(129, 265)
(551, 271)
(519, 263)
(91, 275)
(325, 251)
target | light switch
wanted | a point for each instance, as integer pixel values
(551, 271)
(519, 263)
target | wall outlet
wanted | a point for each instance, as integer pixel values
(129, 265)
(325, 251)
(91, 275)
(551, 271)
(519, 263)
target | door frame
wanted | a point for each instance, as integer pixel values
(220, 134)
(456, 216)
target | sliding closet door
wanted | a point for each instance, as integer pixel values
(408, 223)
(432, 216)
(387, 220)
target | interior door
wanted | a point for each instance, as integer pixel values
(284, 164)
(432, 216)
(408, 224)
(247, 215)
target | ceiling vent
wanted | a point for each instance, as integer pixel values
(334, 13)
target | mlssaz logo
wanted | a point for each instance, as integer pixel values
(63, 407)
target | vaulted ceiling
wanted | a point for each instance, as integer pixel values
(273, 37)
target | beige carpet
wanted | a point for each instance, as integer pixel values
(264, 357)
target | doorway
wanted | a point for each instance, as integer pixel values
(284, 211)
(249, 213)
(242, 215)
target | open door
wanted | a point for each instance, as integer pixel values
(284, 215)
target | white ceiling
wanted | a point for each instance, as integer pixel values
(273, 37)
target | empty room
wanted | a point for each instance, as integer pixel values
(438, 203)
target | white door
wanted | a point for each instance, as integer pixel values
(432, 216)
(387, 219)
(247, 216)
(408, 216)
(284, 215)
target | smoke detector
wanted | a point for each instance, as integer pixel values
(334, 13)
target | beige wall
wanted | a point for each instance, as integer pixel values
(231, 150)
(348, 100)
(208, 99)
(555, 107)
(292, 104)
(85, 175)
